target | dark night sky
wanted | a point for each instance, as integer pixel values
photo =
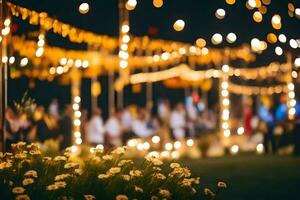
(200, 21)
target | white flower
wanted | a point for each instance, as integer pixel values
(60, 158)
(138, 189)
(107, 157)
(119, 150)
(60, 184)
(121, 197)
(27, 181)
(78, 172)
(125, 177)
(23, 197)
(125, 162)
(222, 184)
(160, 176)
(135, 173)
(18, 190)
(154, 161)
(89, 197)
(62, 177)
(164, 193)
(31, 173)
(52, 187)
(35, 152)
(20, 156)
(174, 165)
(71, 165)
(103, 176)
(114, 170)
(46, 158)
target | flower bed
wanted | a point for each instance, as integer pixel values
(27, 174)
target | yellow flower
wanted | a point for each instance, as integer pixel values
(35, 152)
(154, 161)
(125, 162)
(103, 176)
(46, 158)
(126, 177)
(60, 184)
(18, 190)
(78, 172)
(23, 197)
(121, 197)
(138, 189)
(71, 165)
(207, 191)
(107, 157)
(60, 158)
(135, 173)
(222, 184)
(160, 176)
(20, 156)
(61, 177)
(175, 165)
(194, 191)
(52, 187)
(31, 173)
(89, 197)
(154, 198)
(28, 181)
(119, 150)
(114, 170)
(164, 193)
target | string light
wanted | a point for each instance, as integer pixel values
(234, 149)
(24, 62)
(291, 100)
(276, 21)
(155, 139)
(259, 148)
(257, 17)
(231, 38)
(179, 25)
(131, 4)
(40, 44)
(240, 131)
(158, 3)
(217, 38)
(190, 142)
(293, 43)
(282, 38)
(84, 8)
(278, 51)
(6, 30)
(123, 52)
(220, 13)
(76, 119)
(224, 98)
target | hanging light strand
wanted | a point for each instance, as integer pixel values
(225, 102)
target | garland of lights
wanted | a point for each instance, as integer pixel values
(224, 97)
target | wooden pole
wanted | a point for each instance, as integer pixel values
(111, 92)
(3, 75)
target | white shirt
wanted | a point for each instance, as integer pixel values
(113, 127)
(139, 127)
(95, 132)
(178, 123)
(126, 120)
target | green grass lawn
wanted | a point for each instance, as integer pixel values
(250, 176)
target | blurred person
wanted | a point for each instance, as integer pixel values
(140, 126)
(178, 122)
(164, 111)
(192, 115)
(113, 130)
(44, 125)
(126, 123)
(95, 130)
(65, 128)
(11, 129)
(267, 118)
(53, 108)
(84, 124)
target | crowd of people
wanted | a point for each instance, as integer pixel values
(175, 122)
(121, 125)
